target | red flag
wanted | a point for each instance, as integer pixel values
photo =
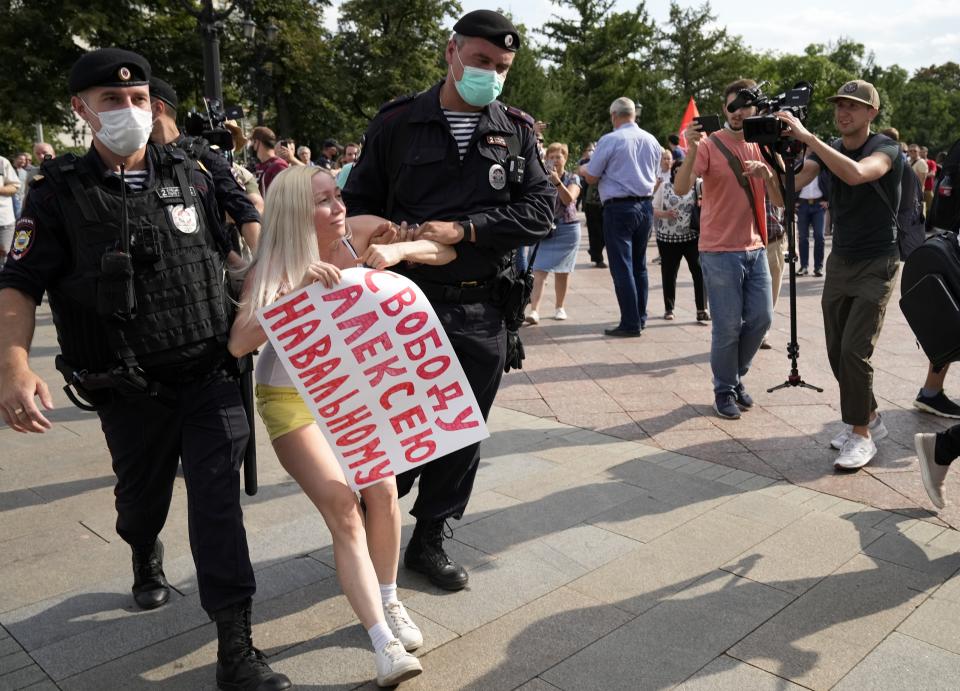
(688, 115)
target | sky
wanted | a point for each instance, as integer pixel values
(909, 33)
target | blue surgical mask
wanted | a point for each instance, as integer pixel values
(479, 87)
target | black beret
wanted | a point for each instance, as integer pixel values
(163, 91)
(108, 67)
(327, 143)
(490, 25)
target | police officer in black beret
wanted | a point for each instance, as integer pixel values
(465, 167)
(127, 244)
(231, 197)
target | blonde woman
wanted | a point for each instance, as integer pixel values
(305, 239)
(558, 253)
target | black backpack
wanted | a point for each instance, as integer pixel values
(911, 230)
(930, 289)
(944, 212)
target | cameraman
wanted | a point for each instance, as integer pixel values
(733, 237)
(231, 197)
(864, 261)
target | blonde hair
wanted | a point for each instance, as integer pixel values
(288, 239)
(558, 146)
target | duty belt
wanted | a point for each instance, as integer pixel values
(121, 380)
(458, 293)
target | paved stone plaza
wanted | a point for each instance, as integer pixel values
(620, 536)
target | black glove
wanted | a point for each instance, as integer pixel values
(515, 352)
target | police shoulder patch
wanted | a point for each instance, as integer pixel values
(519, 115)
(23, 235)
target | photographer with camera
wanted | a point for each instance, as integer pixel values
(733, 238)
(231, 197)
(863, 264)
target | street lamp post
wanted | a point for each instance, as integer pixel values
(262, 72)
(211, 22)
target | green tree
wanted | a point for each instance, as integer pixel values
(594, 58)
(696, 58)
(385, 49)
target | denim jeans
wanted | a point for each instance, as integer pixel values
(741, 301)
(626, 230)
(810, 215)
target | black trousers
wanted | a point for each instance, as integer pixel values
(671, 254)
(948, 445)
(205, 429)
(479, 338)
(594, 214)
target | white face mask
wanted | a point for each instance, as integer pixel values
(124, 131)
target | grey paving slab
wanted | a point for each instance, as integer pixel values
(901, 662)
(796, 558)
(536, 684)
(14, 660)
(646, 517)
(131, 631)
(25, 677)
(764, 509)
(640, 580)
(535, 519)
(495, 588)
(936, 621)
(727, 674)
(519, 646)
(904, 549)
(819, 638)
(581, 549)
(673, 640)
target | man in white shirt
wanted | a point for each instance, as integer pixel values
(9, 186)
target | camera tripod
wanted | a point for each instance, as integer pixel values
(789, 149)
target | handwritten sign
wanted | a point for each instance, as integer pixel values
(377, 371)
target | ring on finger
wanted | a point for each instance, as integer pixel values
(18, 411)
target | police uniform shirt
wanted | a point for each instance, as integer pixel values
(433, 183)
(41, 252)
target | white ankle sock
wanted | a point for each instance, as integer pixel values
(388, 593)
(380, 635)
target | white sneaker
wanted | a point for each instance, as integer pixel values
(857, 451)
(878, 431)
(561, 314)
(533, 317)
(394, 664)
(402, 626)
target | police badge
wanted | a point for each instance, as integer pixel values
(497, 176)
(184, 218)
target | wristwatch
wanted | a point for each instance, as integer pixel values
(469, 232)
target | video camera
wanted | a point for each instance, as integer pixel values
(765, 128)
(211, 127)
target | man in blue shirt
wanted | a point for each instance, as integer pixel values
(625, 166)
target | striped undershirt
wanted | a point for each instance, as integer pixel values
(136, 179)
(462, 126)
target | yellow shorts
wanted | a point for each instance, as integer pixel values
(282, 410)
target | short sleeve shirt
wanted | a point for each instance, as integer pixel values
(627, 161)
(727, 223)
(9, 176)
(863, 227)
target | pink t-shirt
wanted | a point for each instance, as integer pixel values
(727, 223)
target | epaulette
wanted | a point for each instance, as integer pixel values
(519, 115)
(36, 180)
(398, 101)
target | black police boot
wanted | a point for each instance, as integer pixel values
(425, 555)
(150, 587)
(240, 666)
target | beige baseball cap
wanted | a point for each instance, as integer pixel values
(858, 90)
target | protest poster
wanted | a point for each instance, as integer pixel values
(374, 366)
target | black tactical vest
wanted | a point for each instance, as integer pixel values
(182, 318)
